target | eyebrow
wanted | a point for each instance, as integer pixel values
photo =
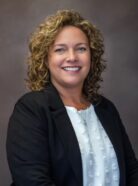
(63, 44)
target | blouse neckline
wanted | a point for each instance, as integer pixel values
(79, 111)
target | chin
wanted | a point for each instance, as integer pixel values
(73, 85)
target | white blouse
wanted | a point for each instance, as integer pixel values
(99, 161)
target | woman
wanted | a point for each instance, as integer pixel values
(63, 132)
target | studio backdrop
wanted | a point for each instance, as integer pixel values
(116, 19)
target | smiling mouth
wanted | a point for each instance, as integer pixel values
(74, 69)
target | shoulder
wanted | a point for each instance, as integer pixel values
(104, 102)
(47, 98)
(107, 105)
(32, 106)
(38, 97)
(33, 98)
(32, 102)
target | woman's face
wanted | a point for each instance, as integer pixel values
(69, 58)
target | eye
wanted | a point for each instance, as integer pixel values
(60, 50)
(81, 49)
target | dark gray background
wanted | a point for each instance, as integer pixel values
(118, 21)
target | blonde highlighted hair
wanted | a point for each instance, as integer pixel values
(43, 38)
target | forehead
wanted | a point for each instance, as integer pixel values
(71, 34)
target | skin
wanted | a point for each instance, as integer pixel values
(69, 64)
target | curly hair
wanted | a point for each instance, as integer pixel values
(43, 38)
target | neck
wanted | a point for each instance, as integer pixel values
(73, 97)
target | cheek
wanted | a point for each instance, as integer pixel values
(51, 62)
(54, 65)
(88, 65)
(55, 60)
(88, 61)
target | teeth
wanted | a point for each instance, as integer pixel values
(72, 68)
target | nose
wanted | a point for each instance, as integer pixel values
(71, 56)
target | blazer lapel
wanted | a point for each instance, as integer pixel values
(66, 132)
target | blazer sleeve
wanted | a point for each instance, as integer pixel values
(27, 145)
(130, 158)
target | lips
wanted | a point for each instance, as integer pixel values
(74, 69)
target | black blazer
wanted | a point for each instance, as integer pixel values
(42, 147)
